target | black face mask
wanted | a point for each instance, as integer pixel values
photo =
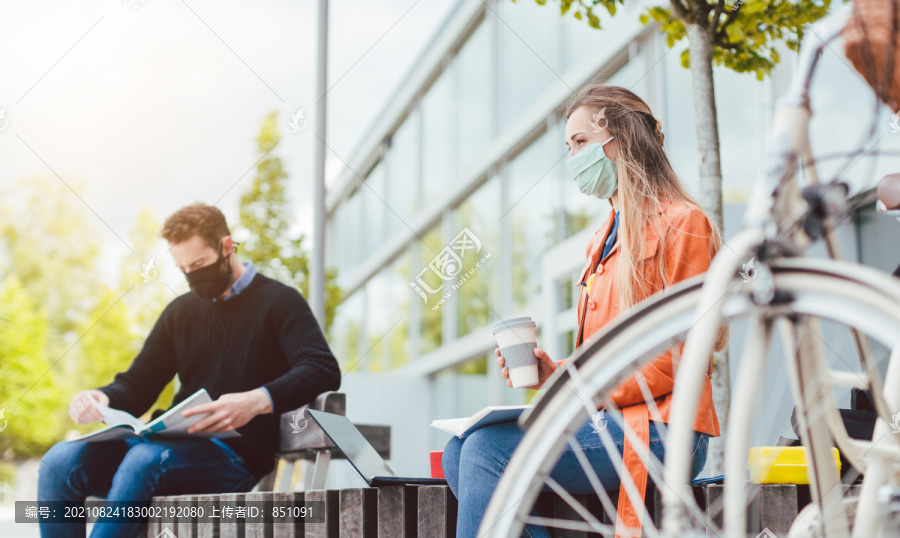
(211, 281)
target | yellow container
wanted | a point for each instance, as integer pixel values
(782, 465)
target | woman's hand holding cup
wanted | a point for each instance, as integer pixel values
(546, 367)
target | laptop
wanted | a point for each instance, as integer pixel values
(361, 454)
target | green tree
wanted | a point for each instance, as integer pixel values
(49, 246)
(49, 241)
(29, 391)
(265, 213)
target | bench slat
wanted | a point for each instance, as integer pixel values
(288, 526)
(359, 513)
(331, 527)
(207, 527)
(437, 512)
(397, 511)
(259, 526)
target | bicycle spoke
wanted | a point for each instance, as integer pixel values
(570, 524)
(654, 465)
(608, 506)
(575, 505)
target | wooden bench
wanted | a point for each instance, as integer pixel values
(311, 444)
(430, 512)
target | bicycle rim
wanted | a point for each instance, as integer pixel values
(624, 347)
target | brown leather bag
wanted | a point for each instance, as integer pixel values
(872, 44)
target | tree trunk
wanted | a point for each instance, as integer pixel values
(711, 201)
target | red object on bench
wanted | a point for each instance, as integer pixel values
(437, 470)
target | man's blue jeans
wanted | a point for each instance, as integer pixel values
(135, 470)
(473, 466)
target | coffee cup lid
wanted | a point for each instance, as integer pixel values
(525, 321)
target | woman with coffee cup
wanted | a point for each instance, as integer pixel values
(656, 235)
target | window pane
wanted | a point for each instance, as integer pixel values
(430, 329)
(353, 232)
(681, 132)
(437, 139)
(403, 179)
(532, 210)
(473, 70)
(400, 293)
(373, 194)
(378, 303)
(347, 330)
(580, 40)
(529, 56)
(473, 383)
(479, 214)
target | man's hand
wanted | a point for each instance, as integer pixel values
(230, 411)
(82, 409)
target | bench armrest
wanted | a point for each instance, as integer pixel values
(308, 434)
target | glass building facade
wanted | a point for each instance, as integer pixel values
(474, 146)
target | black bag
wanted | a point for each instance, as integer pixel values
(859, 421)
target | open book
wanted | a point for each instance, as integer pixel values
(123, 425)
(461, 427)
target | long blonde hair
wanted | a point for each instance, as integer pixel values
(647, 184)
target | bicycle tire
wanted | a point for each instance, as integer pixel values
(621, 348)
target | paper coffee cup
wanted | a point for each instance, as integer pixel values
(517, 342)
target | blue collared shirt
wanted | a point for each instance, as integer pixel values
(243, 281)
(611, 240)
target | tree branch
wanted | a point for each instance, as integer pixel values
(714, 22)
(718, 36)
(680, 11)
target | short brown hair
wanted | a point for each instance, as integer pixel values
(197, 219)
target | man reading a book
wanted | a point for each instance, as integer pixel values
(249, 340)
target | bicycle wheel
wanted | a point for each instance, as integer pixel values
(810, 288)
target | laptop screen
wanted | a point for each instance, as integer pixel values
(353, 444)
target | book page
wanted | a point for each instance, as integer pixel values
(173, 424)
(485, 417)
(115, 417)
(111, 433)
(451, 425)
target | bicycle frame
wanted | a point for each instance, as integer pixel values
(771, 229)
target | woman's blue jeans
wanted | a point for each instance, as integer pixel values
(135, 470)
(473, 467)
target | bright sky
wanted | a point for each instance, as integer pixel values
(157, 103)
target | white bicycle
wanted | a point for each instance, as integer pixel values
(798, 295)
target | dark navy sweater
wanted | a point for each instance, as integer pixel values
(265, 336)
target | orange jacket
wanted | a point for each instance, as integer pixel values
(686, 254)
